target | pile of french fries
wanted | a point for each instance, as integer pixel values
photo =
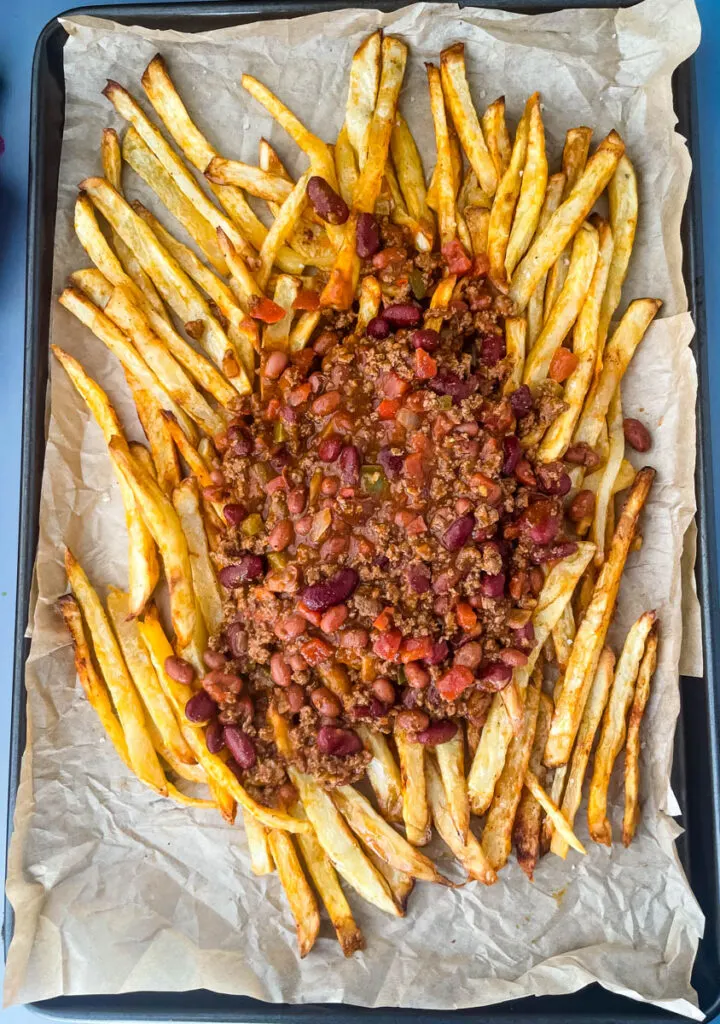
(189, 324)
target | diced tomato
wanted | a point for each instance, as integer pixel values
(457, 259)
(394, 386)
(387, 645)
(316, 651)
(388, 408)
(562, 364)
(403, 518)
(387, 256)
(300, 394)
(307, 299)
(467, 619)
(442, 425)
(273, 408)
(416, 527)
(262, 308)
(455, 681)
(481, 265)
(486, 488)
(413, 466)
(425, 365)
(384, 619)
(415, 649)
(420, 442)
(307, 613)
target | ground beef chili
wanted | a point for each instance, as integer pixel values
(387, 530)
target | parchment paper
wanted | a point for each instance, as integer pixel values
(116, 890)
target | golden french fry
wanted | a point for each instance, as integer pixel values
(464, 115)
(532, 189)
(243, 280)
(111, 158)
(625, 476)
(339, 292)
(469, 852)
(416, 813)
(612, 733)
(567, 308)
(623, 199)
(497, 137)
(478, 224)
(497, 834)
(603, 497)
(261, 861)
(618, 353)
(535, 308)
(362, 94)
(133, 268)
(277, 335)
(593, 628)
(302, 329)
(515, 340)
(498, 730)
(440, 299)
(189, 801)
(368, 303)
(566, 220)
(166, 466)
(254, 180)
(282, 226)
(450, 758)
(345, 166)
(207, 590)
(399, 884)
(299, 894)
(552, 811)
(632, 744)
(383, 774)
(411, 177)
(445, 179)
(574, 158)
(526, 827)
(563, 636)
(505, 201)
(141, 752)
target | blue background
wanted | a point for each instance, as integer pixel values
(22, 21)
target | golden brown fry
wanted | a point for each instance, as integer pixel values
(593, 628)
(254, 180)
(612, 733)
(339, 292)
(450, 758)
(277, 335)
(282, 226)
(563, 636)
(133, 268)
(445, 183)
(469, 852)
(535, 308)
(440, 299)
(362, 94)
(411, 177)
(345, 166)
(189, 801)
(261, 862)
(561, 826)
(141, 752)
(632, 745)
(416, 813)
(505, 201)
(575, 154)
(166, 466)
(515, 340)
(207, 590)
(497, 137)
(566, 220)
(623, 198)
(478, 224)
(299, 894)
(368, 303)
(399, 884)
(464, 115)
(383, 774)
(604, 507)
(526, 827)
(532, 189)
(111, 158)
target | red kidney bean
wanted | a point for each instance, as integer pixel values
(495, 675)
(514, 658)
(349, 463)
(335, 590)
(552, 478)
(470, 655)
(451, 384)
(493, 585)
(240, 441)
(492, 349)
(326, 404)
(214, 738)
(200, 708)
(280, 457)
(512, 453)
(250, 567)
(367, 239)
(325, 341)
(214, 659)
(582, 454)
(338, 742)
(524, 473)
(234, 513)
(355, 639)
(403, 314)
(295, 695)
(582, 506)
(275, 365)
(240, 746)
(525, 635)
(521, 401)
(417, 676)
(326, 203)
(217, 681)
(418, 580)
(280, 670)
(179, 670)
(426, 339)
(637, 434)
(392, 464)
(438, 654)
(293, 626)
(325, 702)
(237, 639)
(281, 535)
(551, 554)
(330, 448)
(384, 690)
(378, 328)
(304, 526)
(296, 501)
(458, 533)
(437, 733)
(413, 721)
(333, 618)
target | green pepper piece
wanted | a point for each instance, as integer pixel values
(373, 480)
(446, 402)
(252, 525)
(279, 432)
(417, 284)
(278, 559)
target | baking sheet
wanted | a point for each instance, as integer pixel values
(115, 890)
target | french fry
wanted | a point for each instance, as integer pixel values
(189, 801)
(532, 189)
(497, 137)
(362, 94)
(244, 283)
(561, 826)
(567, 308)
(339, 291)
(411, 177)
(282, 226)
(612, 733)
(469, 852)
(111, 158)
(399, 884)
(496, 838)
(603, 497)
(416, 814)
(345, 166)
(302, 329)
(478, 225)
(505, 201)
(498, 730)
(632, 744)
(368, 303)
(445, 184)
(207, 590)
(464, 115)
(592, 714)
(383, 774)
(133, 269)
(261, 861)
(141, 752)
(574, 158)
(299, 894)
(585, 347)
(450, 759)
(623, 201)
(526, 827)
(515, 341)
(566, 220)
(254, 180)
(618, 353)
(166, 466)
(563, 636)
(440, 299)
(277, 335)
(593, 628)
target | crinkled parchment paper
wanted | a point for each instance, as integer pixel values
(116, 890)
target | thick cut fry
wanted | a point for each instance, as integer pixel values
(399, 884)
(133, 269)
(166, 466)
(498, 730)
(497, 136)
(566, 220)
(592, 714)
(585, 347)
(339, 292)
(567, 308)
(345, 166)
(575, 154)
(282, 226)
(111, 158)
(612, 733)
(593, 628)
(505, 201)
(563, 637)
(254, 180)
(440, 299)
(515, 339)
(243, 280)
(261, 861)
(128, 706)
(618, 353)
(277, 335)
(464, 115)
(526, 827)
(561, 826)
(158, 707)
(207, 590)
(535, 308)
(603, 497)
(299, 894)
(632, 745)
(302, 330)
(411, 177)
(416, 813)
(189, 801)
(478, 225)
(368, 303)
(362, 94)
(469, 852)
(623, 199)
(497, 833)
(383, 774)
(445, 183)
(451, 763)
(532, 190)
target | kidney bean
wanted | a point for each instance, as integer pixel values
(637, 434)
(333, 618)
(525, 635)
(325, 702)
(325, 341)
(521, 401)
(355, 639)
(512, 453)
(280, 670)
(582, 506)
(403, 314)
(437, 733)
(417, 676)
(295, 696)
(237, 639)
(453, 385)
(296, 501)
(349, 463)
(214, 659)
(438, 654)
(426, 339)
(330, 448)
(552, 478)
(333, 547)
(551, 554)
(511, 656)
(281, 535)
(495, 675)
(326, 203)
(392, 464)
(470, 655)
(179, 670)
(240, 440)
(458, 533)
(492, 585)
(582, 454)
(250, 567)
(413, 721)
(326, 404)
(234, 513)
(304, 526)
(240, 746)
(378, 328)
(335, 590)
(367, 238)
(275, 365)
(384, 690)
(338, 742)
(292, 626)
(214, 739)
(524, 473)
(200, 708)
(492, 349)
(418, 580)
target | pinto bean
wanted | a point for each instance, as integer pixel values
(582, 505)
(280, 670)
(384, 690)
(295, 695)
(281, 535)
(333, 618)
(276, 363)
(417, 676)
(470, 655)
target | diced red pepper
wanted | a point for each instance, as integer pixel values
(416, 527)
(387, 645)
(307, 299)
(415, 649)
(311, 616)
(458, 261)
(562, 364)
(316, 651)
(425, 365)
(262, 308)
(467, 619)
(384, 619)
(413, 466)
(455, 681)
(388, 408)
(394, 386)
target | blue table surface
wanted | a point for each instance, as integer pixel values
(22, 22)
